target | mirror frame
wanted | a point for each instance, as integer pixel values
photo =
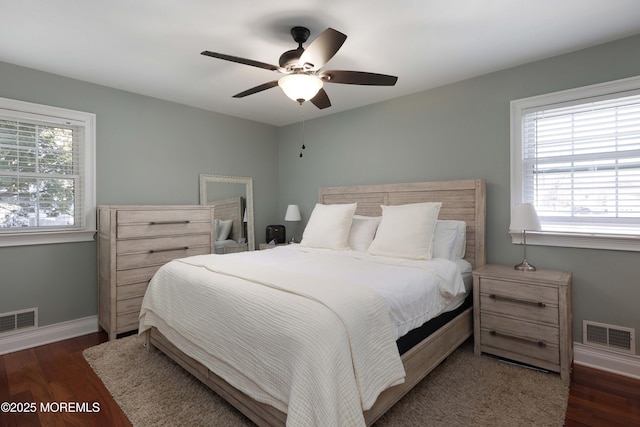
(206, 178)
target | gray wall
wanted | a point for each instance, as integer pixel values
(148, 152)
(461, 131)
(151, 151)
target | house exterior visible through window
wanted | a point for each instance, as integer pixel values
(46, 174)
(576, 156)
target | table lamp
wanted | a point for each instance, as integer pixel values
(524, 218)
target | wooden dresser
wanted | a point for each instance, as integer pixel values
(133, 243)
(524, 316)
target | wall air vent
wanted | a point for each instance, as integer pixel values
(610, 337)
(18, 321)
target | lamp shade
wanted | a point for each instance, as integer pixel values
(293, 213)
(524, 217)
(300, 87)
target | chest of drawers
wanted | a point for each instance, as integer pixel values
(133, 243)
(524, 316)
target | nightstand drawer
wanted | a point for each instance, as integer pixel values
(520, 291)
(520, 328)
(521, 308)
(516, 348)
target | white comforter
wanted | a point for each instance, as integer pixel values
(415, 291)
(293, 340)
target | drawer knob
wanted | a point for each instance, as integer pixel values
(519, 301)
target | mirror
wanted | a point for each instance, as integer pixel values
(217, 187)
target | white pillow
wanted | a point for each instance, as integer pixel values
(224, 228)
(450, 239)
(406, 231)
(363, 230)
(329, 226)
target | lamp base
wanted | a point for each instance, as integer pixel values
(525, 266)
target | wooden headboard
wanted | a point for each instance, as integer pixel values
(232, 209)
(463, 200)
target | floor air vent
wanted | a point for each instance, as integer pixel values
(17, 321)
(611, 337)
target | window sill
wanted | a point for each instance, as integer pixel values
(25, 239)
(580, 240)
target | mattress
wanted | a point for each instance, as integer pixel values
(415, 290)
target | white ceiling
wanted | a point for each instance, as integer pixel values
(152, 47)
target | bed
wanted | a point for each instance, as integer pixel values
(459, 200)
(229, 226)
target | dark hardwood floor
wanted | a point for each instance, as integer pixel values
(58, 373)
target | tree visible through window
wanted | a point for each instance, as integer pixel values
(39, 179)
(46, 170)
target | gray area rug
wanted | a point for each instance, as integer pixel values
(465, 390)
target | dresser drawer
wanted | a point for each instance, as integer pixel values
(133, 290)
(148, 223)
(135, 275)
(162, 244)
(127, 321)
(158, 258)
(129, 305)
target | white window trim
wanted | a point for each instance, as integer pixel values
(89, 230)
(565, 239)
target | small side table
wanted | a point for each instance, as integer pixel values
(524, 316)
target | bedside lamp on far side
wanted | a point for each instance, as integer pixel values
(524, 218)
(292, 215)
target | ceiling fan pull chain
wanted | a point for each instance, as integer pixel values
(303, 146)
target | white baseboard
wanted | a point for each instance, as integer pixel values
(610, 361)
(48, 334)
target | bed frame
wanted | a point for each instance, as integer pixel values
(461, 200)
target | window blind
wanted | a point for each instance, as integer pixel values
(581, 163)
(41, 173)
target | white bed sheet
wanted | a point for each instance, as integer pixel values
(415, 291)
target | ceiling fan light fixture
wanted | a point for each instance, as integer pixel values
(300, 87)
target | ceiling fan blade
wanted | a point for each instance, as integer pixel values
(357, 78)
(321, 100)
(322, 49)
(244, 61)
(256, 89)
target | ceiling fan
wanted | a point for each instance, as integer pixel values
(302, 68)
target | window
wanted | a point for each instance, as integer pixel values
(47, 178)
(576, 156)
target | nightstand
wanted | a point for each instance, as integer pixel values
(524, 316)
